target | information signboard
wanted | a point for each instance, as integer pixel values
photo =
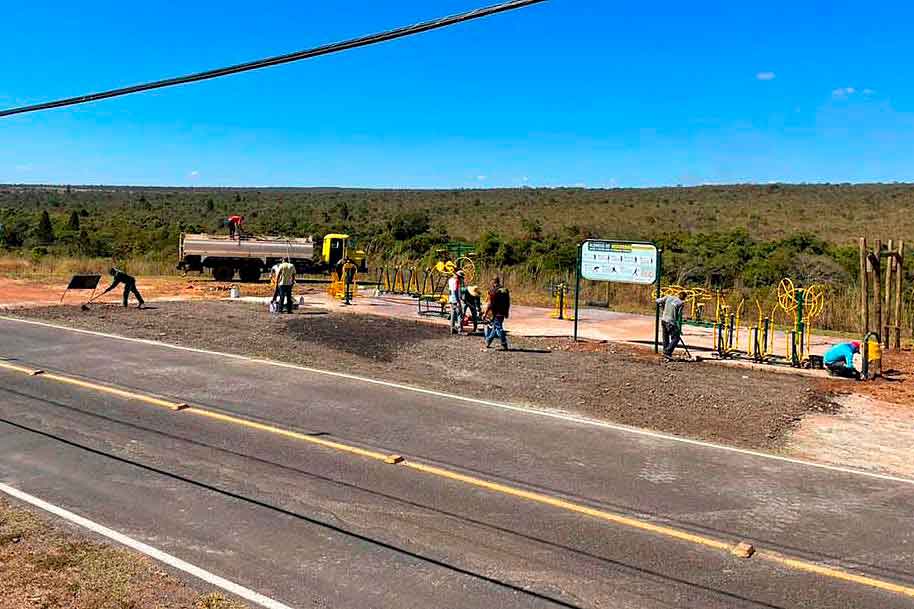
(638, 262)
(619, 262)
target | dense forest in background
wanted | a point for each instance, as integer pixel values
(742, 235)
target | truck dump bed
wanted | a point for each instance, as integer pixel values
(221, 246)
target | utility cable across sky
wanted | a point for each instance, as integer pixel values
(328, 49)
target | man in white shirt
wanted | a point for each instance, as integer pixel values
(454, 298)
(285, 279)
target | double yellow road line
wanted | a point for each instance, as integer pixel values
(739, 549)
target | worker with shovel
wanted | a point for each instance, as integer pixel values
(129, 286)
(669, 322)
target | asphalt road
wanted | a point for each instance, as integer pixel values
(313, 526)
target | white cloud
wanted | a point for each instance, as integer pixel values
(843, 92)
(194, 173)
(23, 168)
(482, 178)
(869, 92)
(766, 76)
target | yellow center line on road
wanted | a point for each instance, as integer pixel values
(796, 564)
(834, 573)
(22, 369)
(121, 393)
(295, 435)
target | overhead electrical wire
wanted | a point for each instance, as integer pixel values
(281, 59)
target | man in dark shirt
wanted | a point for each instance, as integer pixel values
(129, 286)
(497, 309)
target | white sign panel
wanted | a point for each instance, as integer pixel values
(619, 262)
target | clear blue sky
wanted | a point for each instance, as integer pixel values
(572, 92)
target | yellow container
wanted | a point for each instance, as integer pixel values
(875, 351)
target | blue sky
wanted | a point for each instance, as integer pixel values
(570, 92)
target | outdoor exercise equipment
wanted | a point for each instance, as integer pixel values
(559, 292)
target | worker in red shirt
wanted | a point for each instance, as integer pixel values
(234, 223)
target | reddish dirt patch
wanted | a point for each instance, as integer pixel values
(22, 292)
(896, 387)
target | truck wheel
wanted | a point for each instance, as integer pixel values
(223, 273)
(249, 274)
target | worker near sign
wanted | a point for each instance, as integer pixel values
(285, 279)
(234, 226)
(497, 310)
(840, 360)
(670, 320)
(120, 277)
(454, 298)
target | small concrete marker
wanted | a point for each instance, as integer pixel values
(394, 459)
(36, 372)
(743, 550)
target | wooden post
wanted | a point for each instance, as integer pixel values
(887, 303)
(877, 287)
(899, 293)
(864, 289)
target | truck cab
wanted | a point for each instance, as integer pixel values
(336, 248)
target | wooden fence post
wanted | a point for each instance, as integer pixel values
(877, 286)
(899, 294)
(887, 306)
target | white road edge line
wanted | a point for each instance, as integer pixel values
(530, 411)
(168, 559)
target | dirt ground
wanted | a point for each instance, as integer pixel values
(610, 382)
(45, 566)
(19, 292)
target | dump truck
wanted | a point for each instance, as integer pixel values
(250, 256)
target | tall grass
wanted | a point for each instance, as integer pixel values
(64, 266)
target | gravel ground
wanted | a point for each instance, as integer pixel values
(610, 382)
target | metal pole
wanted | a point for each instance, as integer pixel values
(657, 308)
(577, 290)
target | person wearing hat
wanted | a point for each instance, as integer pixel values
(840, 360)
(120, 277)
(454, 293)
(472, 304)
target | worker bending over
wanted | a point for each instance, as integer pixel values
(840, 360)
(234, 225)
(669, 322)
(129, 286)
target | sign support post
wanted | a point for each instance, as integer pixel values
(656, 308)
(577, 290)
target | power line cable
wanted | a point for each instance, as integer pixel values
(281, 59)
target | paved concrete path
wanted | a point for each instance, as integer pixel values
(316, 527)
(593, 323)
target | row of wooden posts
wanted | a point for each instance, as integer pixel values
(882, 269)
